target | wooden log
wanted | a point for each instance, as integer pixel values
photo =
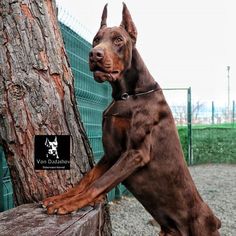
(31, 220)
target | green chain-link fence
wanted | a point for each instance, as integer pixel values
(213, 133)
(207, 130)
(182, 113)
(6, 192)
(92, 98)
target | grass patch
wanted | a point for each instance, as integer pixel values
(210, 143)
(214, 145)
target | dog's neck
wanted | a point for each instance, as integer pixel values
(136, 79)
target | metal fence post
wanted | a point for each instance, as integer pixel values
(212, 113)
(1, 180)
(233, 115)
(189, 118)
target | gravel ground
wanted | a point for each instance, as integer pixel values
(217, 185)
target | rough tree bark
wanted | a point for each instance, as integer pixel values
(37, 97)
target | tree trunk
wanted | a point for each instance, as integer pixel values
(37, 98)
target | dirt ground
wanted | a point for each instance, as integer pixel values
(216, 184)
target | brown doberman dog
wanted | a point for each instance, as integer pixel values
(141, 143)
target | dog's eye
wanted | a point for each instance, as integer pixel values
(118, 40)
(96, 40)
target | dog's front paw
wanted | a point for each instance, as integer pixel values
(61, 208)
(50, 200)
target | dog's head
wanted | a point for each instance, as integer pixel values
(51, 146)
(112, 48)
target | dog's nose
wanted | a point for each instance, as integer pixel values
(96, 54)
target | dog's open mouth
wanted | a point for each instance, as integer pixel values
(101, 76)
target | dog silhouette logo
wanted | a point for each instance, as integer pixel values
(52, 148)
(52, 152)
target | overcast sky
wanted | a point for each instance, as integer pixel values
(183, 43)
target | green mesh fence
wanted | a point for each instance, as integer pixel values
(92, 98)
(213, 133)
(6, 192)
(211, 143)
(181, 111)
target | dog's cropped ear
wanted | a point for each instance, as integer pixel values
(104, 17)
(47, 142)
(128, 23)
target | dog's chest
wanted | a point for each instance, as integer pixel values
(115, 135)
(116, 126)
(117, 119)
(120, 124)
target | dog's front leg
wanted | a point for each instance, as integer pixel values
(130, 161)
(84, 183)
